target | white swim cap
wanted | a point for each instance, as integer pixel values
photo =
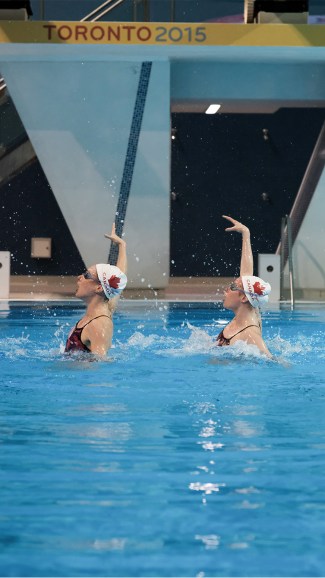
(256, 289)
(112, 279)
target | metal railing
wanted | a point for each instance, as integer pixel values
(291, 224)
(309, 184)
(2, 84)
(286, 256)
(101, 10)
(109, 5)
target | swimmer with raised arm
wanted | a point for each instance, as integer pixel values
(99, 287)
(244, 296)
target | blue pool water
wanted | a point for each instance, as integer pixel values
(170, 459)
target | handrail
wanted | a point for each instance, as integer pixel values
(110, 4)
(14, 144)
(291, 224)
(2, 83)
(308, 186)
(286, 254)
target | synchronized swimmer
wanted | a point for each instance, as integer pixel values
(101, 286)
(244, 296)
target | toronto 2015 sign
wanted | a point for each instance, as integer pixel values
(124, 33)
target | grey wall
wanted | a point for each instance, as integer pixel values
(78, 117)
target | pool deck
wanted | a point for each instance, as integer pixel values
(201, 289)
(52, 288)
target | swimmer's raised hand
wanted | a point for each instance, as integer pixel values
(114, 237)
(237, 226)
(246, 261)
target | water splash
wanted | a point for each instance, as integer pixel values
(184, 340)
(13, 347)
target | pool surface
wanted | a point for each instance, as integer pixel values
(172, 458)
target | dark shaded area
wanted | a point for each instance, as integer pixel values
(285, 6)
(15, 5)
(157, 10)
(12, 130)
(247, 166)
(29, 209)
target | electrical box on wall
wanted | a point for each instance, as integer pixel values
(12, 14)
(269, 270)
(41, 247)
(4, 274)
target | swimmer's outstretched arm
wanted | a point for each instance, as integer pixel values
(246, 262)
(121, 259)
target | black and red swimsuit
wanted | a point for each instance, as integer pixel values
(74, 342)
(222, 340)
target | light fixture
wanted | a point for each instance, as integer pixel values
(265, 132)
(212, 109)
(173, 133)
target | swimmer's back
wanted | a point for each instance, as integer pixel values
(74, 341)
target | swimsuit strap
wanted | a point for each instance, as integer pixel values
(108, 317)
(229, 338)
